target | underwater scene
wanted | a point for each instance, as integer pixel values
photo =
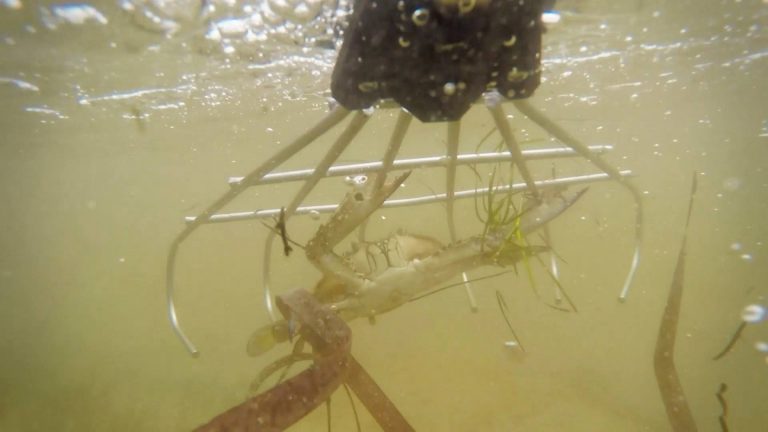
(248, 215)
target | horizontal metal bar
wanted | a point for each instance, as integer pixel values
(402, 202)
(423, 162)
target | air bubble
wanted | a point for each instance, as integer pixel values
(420, 16)
(753, 313)
(356, 181)
(511, 41)
(449, 89)
(466, 6)
(732, 183)
(405, 43)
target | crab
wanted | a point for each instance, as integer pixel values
(377, 277)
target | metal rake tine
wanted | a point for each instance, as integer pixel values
(395, 142)
(494, 106)
(329, 121)
(346, 137)
(552, 263)
(398, 134)
(566, 138)
(454, 130)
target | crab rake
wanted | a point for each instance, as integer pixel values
(333, 365)
(453, 53)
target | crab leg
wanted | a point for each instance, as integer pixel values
(357, 123)
(353, 211)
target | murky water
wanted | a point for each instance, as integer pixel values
(117, 127)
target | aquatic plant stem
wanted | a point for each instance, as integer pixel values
(675, 403)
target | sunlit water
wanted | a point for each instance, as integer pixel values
(118, 120)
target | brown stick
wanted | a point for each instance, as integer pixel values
(372, 396)
(288, 402)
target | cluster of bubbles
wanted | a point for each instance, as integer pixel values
(283, 49)
(289, 46)
(243, 27)
(230, 24)
(752, 315)
(73, 13)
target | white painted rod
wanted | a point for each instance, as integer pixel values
(402, 202)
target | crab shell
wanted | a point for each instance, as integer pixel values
(368, 259)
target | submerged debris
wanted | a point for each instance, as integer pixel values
(721, 398)
(678, 411)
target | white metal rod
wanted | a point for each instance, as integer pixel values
(422, 162)
(402, 202)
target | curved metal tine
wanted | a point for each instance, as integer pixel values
(493, 102)
(454, 131)
(552, 263)
(330, 120)
(561, 134)
(395, 142)
(355, 125)
(553, 266)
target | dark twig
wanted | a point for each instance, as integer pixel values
(354, 408)
(735, 338)
(503, 307)
(280, 227)
(721, 398)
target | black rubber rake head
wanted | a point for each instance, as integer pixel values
(437, 57)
